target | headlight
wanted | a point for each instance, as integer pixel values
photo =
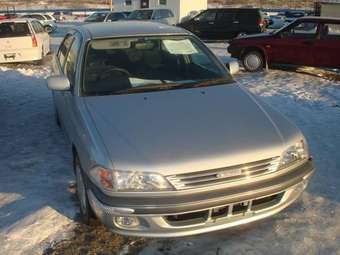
(129, 181)
(294, 154)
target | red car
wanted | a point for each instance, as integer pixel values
(308, 41)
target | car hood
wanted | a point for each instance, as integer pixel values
(187, 130)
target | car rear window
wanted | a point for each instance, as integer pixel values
(14, 29)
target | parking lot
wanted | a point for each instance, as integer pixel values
(38, 207)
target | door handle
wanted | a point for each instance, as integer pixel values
(236, 22)
(211, 23)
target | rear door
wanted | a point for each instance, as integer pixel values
(327, 48)
(225, 25)
(248, 21)
(14, 37)
(204, 25)
(295, 44)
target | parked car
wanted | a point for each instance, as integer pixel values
(291, 16)
(276, 22)
(165, 143)
(105, 17)
(165, 16)
(48, 23)
(309, 41)
(225, 23)
(22, 40)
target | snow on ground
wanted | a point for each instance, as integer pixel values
(36, 207)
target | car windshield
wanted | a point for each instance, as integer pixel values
(141, 15)
(142, 64)
(14, 29)
(96, 17)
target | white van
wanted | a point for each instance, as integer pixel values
(23, 40)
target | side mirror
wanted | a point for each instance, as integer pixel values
(58, 83)
(233, 67)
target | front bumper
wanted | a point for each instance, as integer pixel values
(206, 214)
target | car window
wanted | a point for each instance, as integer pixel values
(141, 15)
(38, 17)
(63, 49)
(35, 27)
(225, 16)
(14, 29)
(115, 16)
(39, 27)
(207, 16)
(118, 65)
(330, 31)
(248, 16)
(96, 17)
(47, 17)
(158, 14)
(303, 30)
(71, 60)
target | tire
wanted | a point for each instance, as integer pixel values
(86, 213)
(253, 61)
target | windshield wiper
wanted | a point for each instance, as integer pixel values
(208, 83)
(150, 87)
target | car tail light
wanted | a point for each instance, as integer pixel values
(34, 41)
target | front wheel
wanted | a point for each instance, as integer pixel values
(86, 212)
(253, 61)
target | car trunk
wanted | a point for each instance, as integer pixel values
(15, 37)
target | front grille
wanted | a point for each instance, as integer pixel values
(223, 175)
(224, 212)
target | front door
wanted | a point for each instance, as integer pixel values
(327, 49)
(144, 4)
(205, 25)
(294, 45)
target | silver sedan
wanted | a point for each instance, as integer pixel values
(165, 143)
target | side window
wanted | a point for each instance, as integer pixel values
(330, 31)
(71, 61)
(226, 16)
(39, 27)
(248, 17)
(63, 49)
(157, 14)
(207, 16)
(303, 30)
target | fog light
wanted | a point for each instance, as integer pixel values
(127, 221)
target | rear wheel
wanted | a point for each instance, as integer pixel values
(86, 212)
(253, 61)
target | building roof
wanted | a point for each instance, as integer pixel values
(130, 28)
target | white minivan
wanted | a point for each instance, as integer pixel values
(23, 40)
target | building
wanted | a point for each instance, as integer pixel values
(180, 8)
(328, 8)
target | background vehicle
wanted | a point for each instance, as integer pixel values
(159, 15)
(22, 40)
(309, 41)
(276, 22)
(45, 20)
(225, 23)
(210, 155)
(105, 17)
(290, 16)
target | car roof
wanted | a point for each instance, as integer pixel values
(16, 20)
(319, 19)
(130, 28)
(235, 8)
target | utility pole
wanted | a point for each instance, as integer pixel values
(111, 5)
